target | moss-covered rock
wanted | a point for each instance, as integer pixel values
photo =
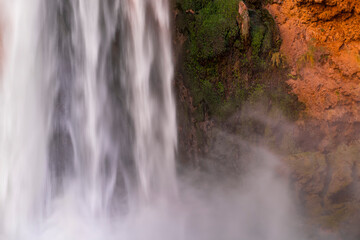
(224, 70)
(194, 5)
(265, 37)
(214, 30)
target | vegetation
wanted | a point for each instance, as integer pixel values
(214, 30)
(226, 74)
(277, 59)
(314, 54)
(223, 71)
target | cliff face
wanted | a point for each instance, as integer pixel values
(227, 58)
(321, 40)
(309, 56)
(327, 186)
(319, 59)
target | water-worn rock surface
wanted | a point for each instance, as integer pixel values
(327, 184)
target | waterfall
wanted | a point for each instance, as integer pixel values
(88, 134)
(87, 116)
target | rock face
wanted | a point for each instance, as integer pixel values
(321, 41)
(234, 86)
(226, 59)
(328, 186)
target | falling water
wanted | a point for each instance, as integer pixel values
(88, 133)
(87, 112)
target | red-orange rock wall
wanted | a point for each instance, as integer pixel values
(321, 42)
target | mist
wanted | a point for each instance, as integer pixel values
(88, 136)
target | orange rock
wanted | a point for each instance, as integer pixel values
(321, 40)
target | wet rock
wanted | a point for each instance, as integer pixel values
(343, 163)
(327, 185)
(308, 172)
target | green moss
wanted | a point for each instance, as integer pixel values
(263, 37)
(271, 40)
(258, 92)
(257, 39)
(194, 5)
(211, 97)
(215, 29)
(288, 103)
(239, 45)
(240, 95)
(216, 53)
(243, 60)
(220, 88)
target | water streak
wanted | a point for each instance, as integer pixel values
(88, 134)
(87, 112)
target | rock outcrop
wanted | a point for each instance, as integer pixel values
(321, 43)
(321, 40)
(235, 82)
(328, 186)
